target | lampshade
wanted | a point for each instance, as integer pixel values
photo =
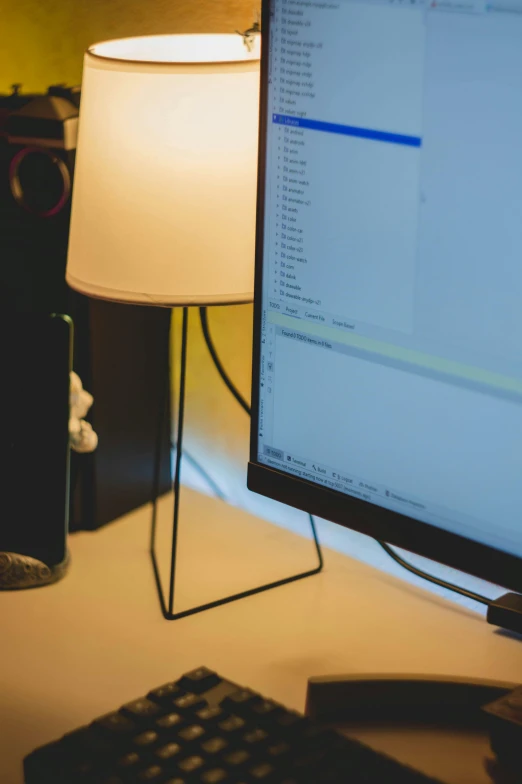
(164, 196)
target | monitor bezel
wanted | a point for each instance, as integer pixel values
(427, 540)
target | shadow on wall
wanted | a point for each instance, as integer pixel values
(217, 430)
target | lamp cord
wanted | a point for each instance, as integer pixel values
(203, 313)
(430, 577)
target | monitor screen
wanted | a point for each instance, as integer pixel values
(389, 274)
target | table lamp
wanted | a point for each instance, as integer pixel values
(164, 199)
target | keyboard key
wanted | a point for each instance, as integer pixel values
(239, 701)
(211, 714)
(145, 739)
(153, 773)
(214, 745)
(279, 751)
(255, 737)
(232, 724)
(199, 680)
(215, 776)
(290, 721)
(189, 702)
(166, 693)
(115, 724)
(191, 733)
(142, 710)
(191, 764)
(82, 771)
(129, 761)
(265, 709)
(168, 752)
(78, 771)
(237, 759)
(170, 721)
(263, 772)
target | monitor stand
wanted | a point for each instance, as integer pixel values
(435, 724)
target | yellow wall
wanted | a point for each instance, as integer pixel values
(41, 42)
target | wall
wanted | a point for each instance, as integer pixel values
(41, 43)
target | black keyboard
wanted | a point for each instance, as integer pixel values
(203, 729)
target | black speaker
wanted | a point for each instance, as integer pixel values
(37, 151)
(35, 357)
(120, 351)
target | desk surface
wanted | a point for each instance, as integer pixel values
(77, 649)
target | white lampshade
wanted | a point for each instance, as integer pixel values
(164, 195)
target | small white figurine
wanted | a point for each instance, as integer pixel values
(83, 437)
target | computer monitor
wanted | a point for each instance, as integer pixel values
(387, 385)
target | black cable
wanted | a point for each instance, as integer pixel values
(431, 578)
(217, 362)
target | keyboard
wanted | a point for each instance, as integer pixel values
(204, 729)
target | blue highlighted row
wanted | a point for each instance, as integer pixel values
(348, 130)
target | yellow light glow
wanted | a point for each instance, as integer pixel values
(177, 49)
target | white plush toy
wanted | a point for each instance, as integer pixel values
(83, 437)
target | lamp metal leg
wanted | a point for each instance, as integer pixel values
(168, 607)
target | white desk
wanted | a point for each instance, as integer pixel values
(75, 650)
